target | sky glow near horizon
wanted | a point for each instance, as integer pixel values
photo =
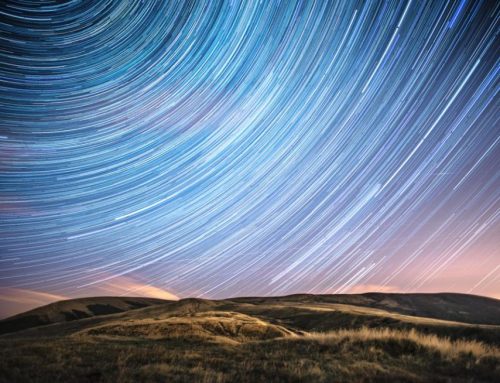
(218, 149)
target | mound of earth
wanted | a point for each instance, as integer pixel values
(209, 324)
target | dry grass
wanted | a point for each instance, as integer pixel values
(444, 345)
(212, 341)
(362, 355)
(217, 325)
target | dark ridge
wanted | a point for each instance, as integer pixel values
(73, 310)
(466, 308)
(19, 324)
(75, 315)
(100, 309)
(136, 305)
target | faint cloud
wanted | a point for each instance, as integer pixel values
(14, 300)
(123, 285)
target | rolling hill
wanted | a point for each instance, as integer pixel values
(73, 309)
(448, 306)
(366, 337)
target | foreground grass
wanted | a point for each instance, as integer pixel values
(364, 355)
(443, 345)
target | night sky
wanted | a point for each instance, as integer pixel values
(218, 149)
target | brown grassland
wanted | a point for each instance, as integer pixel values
(272, 340)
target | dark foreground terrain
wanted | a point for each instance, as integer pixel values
(298, 338)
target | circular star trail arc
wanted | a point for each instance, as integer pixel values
(243, 148)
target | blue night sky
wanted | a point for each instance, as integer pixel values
(216, 149)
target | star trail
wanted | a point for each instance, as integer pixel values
(228, 148)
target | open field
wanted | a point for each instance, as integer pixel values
(286, 339)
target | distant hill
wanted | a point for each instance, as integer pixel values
(74, 309)
(436, 313)
(464, 308)
(344, 338)
(447, 306)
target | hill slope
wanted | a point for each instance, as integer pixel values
(462, 308)
(367, 337)
(74, 309)
(448, 306)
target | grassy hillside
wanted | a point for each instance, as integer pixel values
(284, 339)
(464, 308)
(74, 309)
